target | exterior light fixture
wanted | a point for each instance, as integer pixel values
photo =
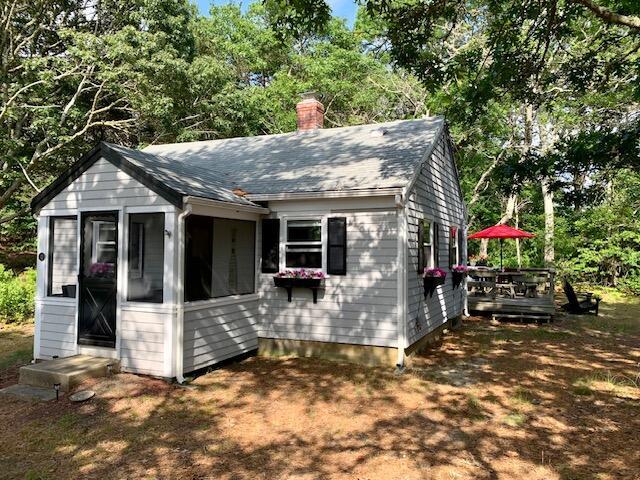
(56, 387)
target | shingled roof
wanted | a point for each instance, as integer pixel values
(375, 156)
(382, 155)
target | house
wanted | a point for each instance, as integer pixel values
(164, 258)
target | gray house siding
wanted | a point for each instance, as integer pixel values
(215, 333)
(435, 196)
(357, 308)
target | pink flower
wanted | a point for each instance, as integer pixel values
(434, 272)
(301, 273)
(460, 268)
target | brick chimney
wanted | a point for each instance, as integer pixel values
(310, 112)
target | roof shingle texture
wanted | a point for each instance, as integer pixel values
(382, 155)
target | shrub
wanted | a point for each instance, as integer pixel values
(17, 295)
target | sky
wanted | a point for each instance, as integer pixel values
(341, 8)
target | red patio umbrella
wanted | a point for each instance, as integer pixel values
(501, 232)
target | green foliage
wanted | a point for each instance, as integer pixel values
(17, 295)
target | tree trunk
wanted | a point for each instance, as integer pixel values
(508, 215)
(518, 252)
(549, 223)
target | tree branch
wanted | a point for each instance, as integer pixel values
(609, 16)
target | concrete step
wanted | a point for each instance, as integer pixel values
(68, 371)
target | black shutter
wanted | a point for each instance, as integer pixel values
(337, 247)
(270, 245)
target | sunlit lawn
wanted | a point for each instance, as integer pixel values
(498, 401)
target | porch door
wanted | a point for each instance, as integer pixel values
(98, 279)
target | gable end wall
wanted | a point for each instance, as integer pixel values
(435, 196)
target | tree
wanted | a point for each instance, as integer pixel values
(73, 72)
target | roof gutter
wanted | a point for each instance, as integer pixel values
(365, 192)
(237, 207)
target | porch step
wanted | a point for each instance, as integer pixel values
(68, 371)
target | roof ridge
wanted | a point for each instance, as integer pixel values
(320, 131)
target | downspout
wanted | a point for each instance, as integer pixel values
(402, 278)
(179, 346)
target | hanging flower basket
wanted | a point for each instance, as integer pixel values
(301, 278)
(432, 278)
(458, 273)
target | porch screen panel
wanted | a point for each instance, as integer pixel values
(198, 257)
(146, 257)
(233, 257)
(63, 257)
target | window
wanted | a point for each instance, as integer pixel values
(146, 257)
(63, 257)
(303, 247)
(104, 248)
(436, 245)
(425, 245)
(461, 248)
(219, 257)
(453, 246)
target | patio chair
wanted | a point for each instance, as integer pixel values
(587, 304)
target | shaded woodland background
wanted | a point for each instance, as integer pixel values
(542, 98)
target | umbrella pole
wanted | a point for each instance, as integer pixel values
(501, 242)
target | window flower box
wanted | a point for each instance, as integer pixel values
(458, 273)
(290, 279)
(432, 278)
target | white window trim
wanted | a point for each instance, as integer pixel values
(95, 240)
(284, 219)
(456, 244)
(430, 262)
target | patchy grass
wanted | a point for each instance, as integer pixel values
(474, 409)
(582, 388)
(515, 419)
(490, 402)
(523, 396)
(16, 349)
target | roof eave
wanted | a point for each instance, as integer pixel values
(365, 192)
(241, 207)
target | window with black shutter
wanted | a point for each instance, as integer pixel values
(436, 245)
(453, 246)
(337, 246)
(270, 245)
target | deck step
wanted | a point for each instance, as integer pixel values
(68, 371)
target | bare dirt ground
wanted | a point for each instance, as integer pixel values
(501, 401)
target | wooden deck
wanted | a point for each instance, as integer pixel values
(512, 299)
(540, 305)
